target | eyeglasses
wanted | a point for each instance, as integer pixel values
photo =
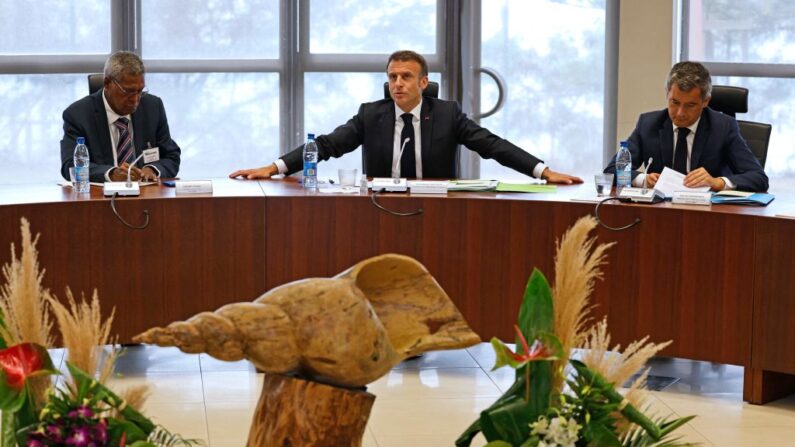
(128, 93)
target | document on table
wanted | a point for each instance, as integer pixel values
(671, 181)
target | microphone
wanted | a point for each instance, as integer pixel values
(129, 170)
(395, 173)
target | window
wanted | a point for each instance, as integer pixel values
(551, 55)
(751, 44)
(243, 81)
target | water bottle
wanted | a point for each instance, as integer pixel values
(623, 167)
(81, 165)
(310, 162)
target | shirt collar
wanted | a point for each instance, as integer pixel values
(692, 127)
(112, 115)
(415, 111)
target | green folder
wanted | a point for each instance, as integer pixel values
(520, 187)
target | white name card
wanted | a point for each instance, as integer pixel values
(194, 187)
(692, 197)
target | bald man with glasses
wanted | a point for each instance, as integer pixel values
(119, 122)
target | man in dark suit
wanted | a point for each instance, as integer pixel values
(385, 127)
(693, 139)
(119, 122)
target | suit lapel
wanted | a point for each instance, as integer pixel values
(667, 143)
(700, 141)
(426, 128)
(101, 121)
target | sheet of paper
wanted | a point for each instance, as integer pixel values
(671, 181)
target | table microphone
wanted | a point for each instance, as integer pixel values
(395, 174)
(129, 170)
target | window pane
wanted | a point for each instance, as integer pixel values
(331, 99)
(364, 26)
(770, 101)
(216, 29)
(742, 31)
(32, 125)
(222, 121)
(54, 27)
(551, 55)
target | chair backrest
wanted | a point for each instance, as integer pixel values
(757, 135)
(729, 100)
(431, 91)
(95, 81)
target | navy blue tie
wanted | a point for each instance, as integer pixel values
(408, 165)
(680, 153)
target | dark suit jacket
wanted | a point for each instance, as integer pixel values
(718, 147)
(87, 118)
(442, 126)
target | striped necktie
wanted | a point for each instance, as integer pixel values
(124, 149)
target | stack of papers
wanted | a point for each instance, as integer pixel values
(473, 185)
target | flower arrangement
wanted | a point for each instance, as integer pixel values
(84, 412)
(557, 400)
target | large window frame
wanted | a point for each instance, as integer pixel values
(455, 52)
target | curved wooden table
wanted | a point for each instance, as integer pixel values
(716, 280)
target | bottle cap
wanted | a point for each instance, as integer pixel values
(310, 136)
(81, 140)
(624, 143)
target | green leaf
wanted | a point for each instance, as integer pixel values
(504, 355)
(11, 399)
(499, 444)
(465, 440)
(536, 313)
(507, 422)
(9, 430)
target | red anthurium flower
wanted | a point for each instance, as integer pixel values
(535, 352)
(21, 361)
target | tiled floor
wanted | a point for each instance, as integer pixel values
(430, 400)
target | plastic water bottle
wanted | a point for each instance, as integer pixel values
(623, 167)
(310, 162)
(81, 165)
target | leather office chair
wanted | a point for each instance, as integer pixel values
(95, 82)
(733, 100)
(431, 91)
(729, 100)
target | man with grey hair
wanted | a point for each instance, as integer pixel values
(119, 122)
(693, 139)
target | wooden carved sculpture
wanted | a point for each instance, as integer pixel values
(345, 331)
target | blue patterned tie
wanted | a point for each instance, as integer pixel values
(124, 149)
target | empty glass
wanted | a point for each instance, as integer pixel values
(604, 184)
(347, 177)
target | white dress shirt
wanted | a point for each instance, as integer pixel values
(396, 143)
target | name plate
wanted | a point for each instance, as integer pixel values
(194, 187)
(692, 197)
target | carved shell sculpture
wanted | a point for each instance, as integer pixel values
(347, 331)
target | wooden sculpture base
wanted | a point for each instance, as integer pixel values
(294, 412)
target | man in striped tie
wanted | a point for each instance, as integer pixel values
(120, 122)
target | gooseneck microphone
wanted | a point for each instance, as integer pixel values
(396, 164)
(129, 170)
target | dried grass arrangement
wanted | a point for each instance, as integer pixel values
(86, 412)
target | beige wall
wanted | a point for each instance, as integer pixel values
(645, 54)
